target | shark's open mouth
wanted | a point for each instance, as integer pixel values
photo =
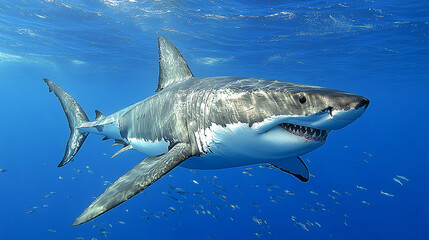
(309, 133)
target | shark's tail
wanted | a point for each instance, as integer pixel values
(75, 116)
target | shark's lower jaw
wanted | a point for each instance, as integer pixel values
(308, 133)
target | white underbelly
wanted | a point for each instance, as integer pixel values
(239, 145)
(148, 147)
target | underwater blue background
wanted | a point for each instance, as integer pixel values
(104, 53)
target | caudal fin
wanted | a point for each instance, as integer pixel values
(75, 116)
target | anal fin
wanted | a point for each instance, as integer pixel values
(136, 180)
(294, 166)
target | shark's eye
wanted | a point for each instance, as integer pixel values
(302, 99)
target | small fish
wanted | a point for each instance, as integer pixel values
(278, 196)
(302, 225)
(52, 230)
(387, 194)
(365, 202)
(345, 223)
(234, 207)
(74, 178)
(3, 170)
(289, 192)
(318, 224)
(60, 177)
(367, 153)
(402, 177)
(121, 222)
(256, 220)
(172, 209)
(258, 234)
(314, 193)
(348, 193)
(195, 182)
(334, 191)
(360, 187)
(398, 181)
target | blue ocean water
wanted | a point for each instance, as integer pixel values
(104, 53)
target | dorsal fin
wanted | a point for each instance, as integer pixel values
(172, 66)
(98, 115)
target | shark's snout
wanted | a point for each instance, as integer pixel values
(363, 102)
(347, 110)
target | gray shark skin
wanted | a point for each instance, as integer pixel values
(210, 123)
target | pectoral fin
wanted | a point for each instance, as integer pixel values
(136, 180)
(293, 166)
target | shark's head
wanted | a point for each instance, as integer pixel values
(315, 107)
(283, 119)
(298, 118)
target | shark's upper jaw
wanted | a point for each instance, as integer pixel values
(308, 133)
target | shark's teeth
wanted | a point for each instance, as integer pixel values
(307, 132)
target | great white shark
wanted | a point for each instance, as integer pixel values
(210, 123)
